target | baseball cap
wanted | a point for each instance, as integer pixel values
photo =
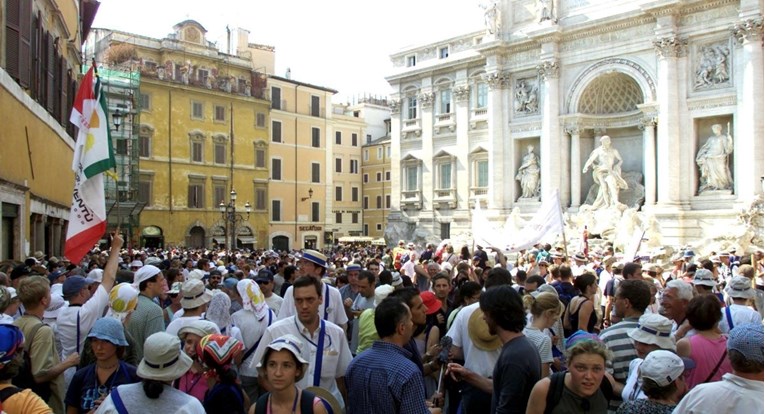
(664, 367)
(11, 341)
(74, 284)
(264, 275)
(20, 271)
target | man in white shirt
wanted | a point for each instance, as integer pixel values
(326, 348)
(742, 390)
(194, 300)
(314, 264)
(253, 320)
(265, 281)
(75, 321)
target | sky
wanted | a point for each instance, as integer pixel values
(340, 44)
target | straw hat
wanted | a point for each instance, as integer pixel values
(478, 331)
(329, 400)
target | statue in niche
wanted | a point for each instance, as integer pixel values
(528, 174)
(526, 98)
(545, 11)
(712, 67)
(607, 172)
(492, 16)
(712, 160)
(185, 72)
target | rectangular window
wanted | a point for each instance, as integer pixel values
(197, 110)
(220, 153)
(366, 155)
(378, 226)
(315, 137)
(446, 101)
(315, 172)
(387, 175)
(445, 230)
(144, 190)
(411, 108)
(355, 194)
(276, 169)
(354, 218)
(411, 178)
(366, 229)
(338, 193)
(202, 75)
(260, 120)
(366, 178)
(378, 202)
(379, 153)
(260, 199)
(145, 102)
(387, 201)
(276, 98)
(196, 196)
(315, 106)
(355, 140)
(443, 52)
(369, 138)
(365, 203)
(482, 173)
(338, 165)
(378, 177)
(338, 218)
(276, 131)
(338, 138)
(220, 113)
(315, 211)
(260, 158)
(121, 146)
(219, 195)
(411, 61)
(354, 166)
(276, 210)
(144, 146)
(197, 152)
(482, 95)
(445, 176)
(387, 152)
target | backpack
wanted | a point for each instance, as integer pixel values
(25, 379)
(306, 403)
(557, 384)
(8, 392)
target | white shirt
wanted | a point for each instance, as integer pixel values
(336, 356)
(633, 387)
(135, 400)
(275, 302)
(252, 330)
(329, 294)
(408, 268)
(477, 360)
(742, 314)
(605, 276)
(89, 312)
(732, 395)
(179, 323)
(6, 319)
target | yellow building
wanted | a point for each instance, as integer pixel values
(203, 134)
(345, 217)
(39, 60)
(375, 167)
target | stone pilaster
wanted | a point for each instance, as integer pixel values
(576, 165)
(498, 83)
(550, 140)
(648, 125)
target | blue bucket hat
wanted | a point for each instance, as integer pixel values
(109, 329)
(11, 340)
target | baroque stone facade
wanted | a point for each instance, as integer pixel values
(654, 77)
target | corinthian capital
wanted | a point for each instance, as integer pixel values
(461, 93)
(395, 106)
(670, 46)
(497, 80)
(549, 69)
(749, 30)
(426, 99)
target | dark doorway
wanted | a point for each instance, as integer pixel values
(280, 243)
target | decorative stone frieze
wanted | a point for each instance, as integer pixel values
(749, 30)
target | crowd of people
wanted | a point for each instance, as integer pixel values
(368, 330)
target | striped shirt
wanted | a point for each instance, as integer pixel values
(621, 345)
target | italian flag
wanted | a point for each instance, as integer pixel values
(93, 156)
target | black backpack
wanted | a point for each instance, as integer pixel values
(25, 379)
(557, 384)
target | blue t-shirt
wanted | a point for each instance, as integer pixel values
(84, 389)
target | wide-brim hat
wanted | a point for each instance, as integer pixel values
(478, 331)
(199, 327)
(703, 277)
(327, 399)
(289, 343)
(432, 304)
(315, 257)
(740, 287)
(580, 257)
(654, 329)
(163, 359)
(396, 279)
(194, 294)
(110, 330)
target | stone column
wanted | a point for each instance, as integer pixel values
(748, 125)
(427, 99)
(551, 137)
(397, 176)
(576, 166)
(669, 50)
(648, 124)
(498, 190)
(461, 95)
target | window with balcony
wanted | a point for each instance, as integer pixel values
(411, 178)
(445, 175)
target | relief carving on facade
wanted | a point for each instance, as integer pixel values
(426, 99)
(395, 106)
(671, 46)
(549, 69)
(712, 67)
(461, 93)
(749, 30)
(526, 100)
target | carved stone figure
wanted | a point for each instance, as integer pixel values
(525, 98)
(528, 174)
(607, 172)
(185, 69)
(712, 160)
(161, 72)
(712, 67)
(545, 11)
(492, 16)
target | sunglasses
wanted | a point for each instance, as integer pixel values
(262, 282)
(172, 295)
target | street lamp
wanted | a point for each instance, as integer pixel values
(310, 195)
(117, 119)
(231, 217)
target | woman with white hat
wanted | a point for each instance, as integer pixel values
(281, 367)
(193, 382)
(654, 332)
(91, 385)
(162, 363)
(9, 304)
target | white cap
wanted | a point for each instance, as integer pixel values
(663, 367)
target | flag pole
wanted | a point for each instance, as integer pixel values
(113, 175)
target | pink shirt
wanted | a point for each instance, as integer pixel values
(194, 385)
(706, 353)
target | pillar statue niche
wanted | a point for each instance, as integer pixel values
(712, 160)
(528, 175)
